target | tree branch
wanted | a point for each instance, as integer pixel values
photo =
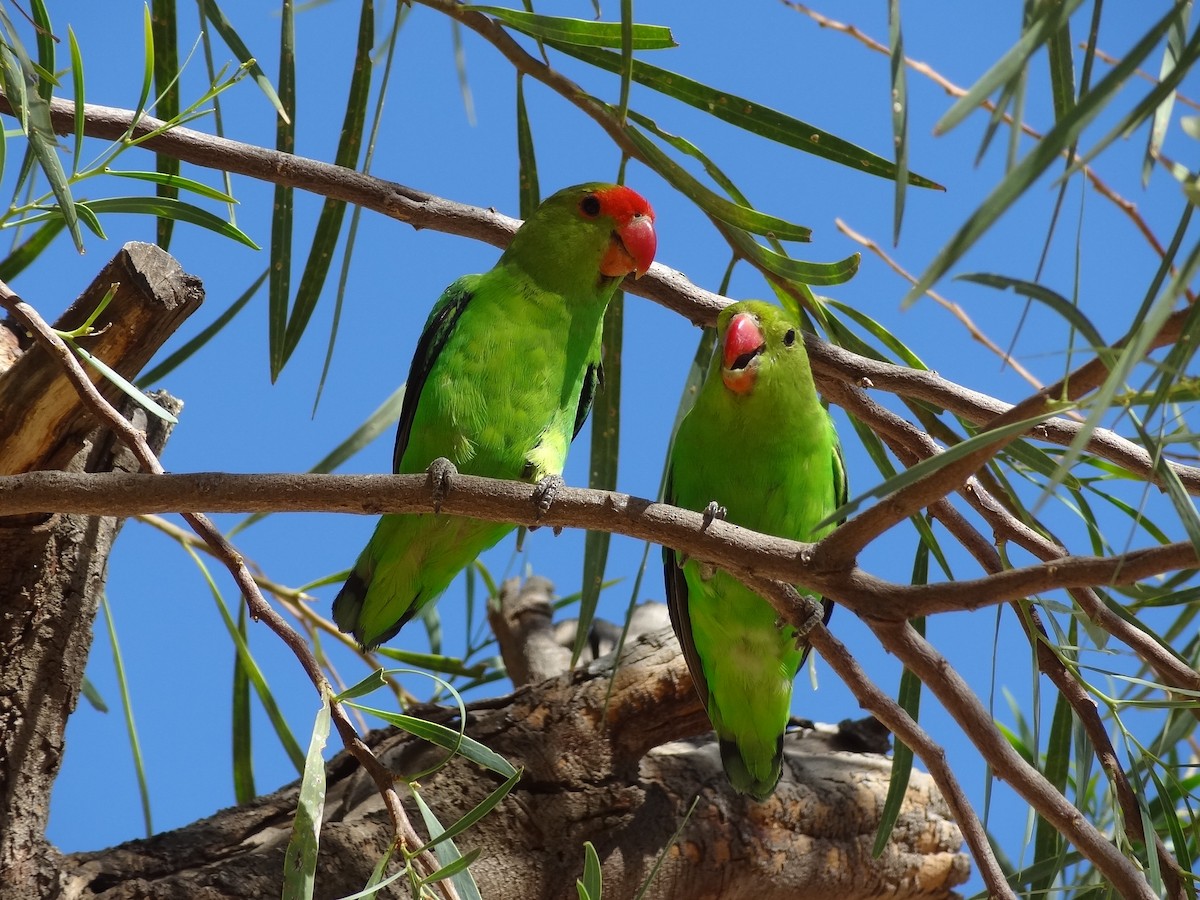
(738, 550)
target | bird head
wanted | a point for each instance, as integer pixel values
(586, 237)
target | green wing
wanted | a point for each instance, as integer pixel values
(841, 494)
(438, 328)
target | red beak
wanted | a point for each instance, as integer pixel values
(743, 342)
(632, 249)
(640, 242)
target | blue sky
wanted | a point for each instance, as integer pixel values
(176, 652)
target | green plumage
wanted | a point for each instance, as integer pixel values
(501, 380)
(769, 455)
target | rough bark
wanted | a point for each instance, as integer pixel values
(589, 774)
(42, 419)
(53, 567)
(582, 782)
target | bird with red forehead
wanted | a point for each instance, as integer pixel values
(501, 381)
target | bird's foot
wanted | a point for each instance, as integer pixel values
(814, 613)
(543, 497)
(713, 511)
(441, 473)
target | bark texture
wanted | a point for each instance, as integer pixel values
(52, 568)
(589, 774)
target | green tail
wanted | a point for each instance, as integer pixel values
(756, 777)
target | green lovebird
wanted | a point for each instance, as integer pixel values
(501, 382)
(759, 443)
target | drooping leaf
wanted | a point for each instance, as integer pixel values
(300, 858)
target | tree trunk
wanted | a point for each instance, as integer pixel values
(54, 567)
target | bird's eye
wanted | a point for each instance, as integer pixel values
(789, 337)
(590, 206)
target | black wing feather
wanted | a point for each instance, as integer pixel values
(437, 331)
(677, 606)
(593, 380)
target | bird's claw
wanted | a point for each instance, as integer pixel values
(714, 510)
(814, 614)
(543, 495)
(441, 472)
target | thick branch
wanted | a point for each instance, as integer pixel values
(581, 783)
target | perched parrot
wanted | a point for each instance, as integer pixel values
(759, 443)
(501, 381)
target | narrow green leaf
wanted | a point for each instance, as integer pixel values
(243, 744)
(446, 850)
(819, 274)
(909, 699)
(372, 682)
(46, 50)
(731, 213)
(936, 463)
(1175, 490)
(77, 82)
(1042, 31)
(175, 209)
(876, 330)
(602, 470)
(742, 113)
(528, 192)
(300, 860)
(1044, 152)
(580, 32)
(591, 885)
(1149, 320)
(33, 111)
(899, 112)
(118, 381)
(329, 225)
(461, 864)
(166, 104)
(223, 27)
(1162, 113)
(175, 182)
(279, 284)
(484, 807)
(183, 353)
(460, 66)
(1048, 844)
(627, 46)
(401, 11)
(449, 738)
(147, 67)
(92, 695)
(135, 747)
(434, 662)
(1060, 55)
(1057, 302)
